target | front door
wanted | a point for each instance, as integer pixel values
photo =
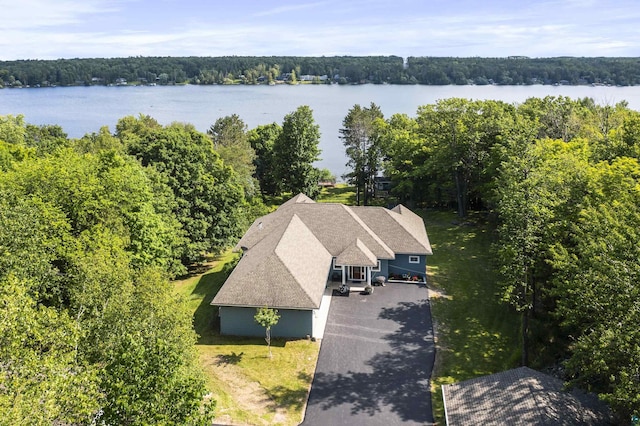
(357, 273)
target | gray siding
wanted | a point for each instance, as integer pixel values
(239, 322)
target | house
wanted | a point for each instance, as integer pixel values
(291, 255)
(521, 396)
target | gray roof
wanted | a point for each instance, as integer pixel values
(520, 397)
(287, 269)
(287, 253)
(400, 228)
(357, 254)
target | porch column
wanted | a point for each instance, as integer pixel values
(344, 274)
(369, 275)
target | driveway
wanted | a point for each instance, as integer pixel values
(375, 360)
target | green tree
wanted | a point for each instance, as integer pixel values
(231, 142)
(405, 160)
(327, 176)
(90, 331)
(209, 198)
(267, 317)
(538, 183)
(295, 152)
(362, 148)
(96, 142)
(263, 139)
(596, 287)
(43, 379)
(459, 137)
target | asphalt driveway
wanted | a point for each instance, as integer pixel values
(375, 360)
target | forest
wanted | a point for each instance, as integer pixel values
(92, 230)
(513, 70)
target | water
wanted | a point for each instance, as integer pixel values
(81, 110)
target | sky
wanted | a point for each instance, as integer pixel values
(52, 29)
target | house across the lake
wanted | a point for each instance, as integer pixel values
(291, 255)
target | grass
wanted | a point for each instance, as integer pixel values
(249, 388)
(341, 193)
(477, 334)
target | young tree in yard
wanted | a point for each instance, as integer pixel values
(295, 152)
(360, 141)
(267, 318)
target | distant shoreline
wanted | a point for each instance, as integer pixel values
(301, 84)
(344, 70)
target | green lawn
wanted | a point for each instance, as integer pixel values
(341, 193)
(476, 334)
(249, 388)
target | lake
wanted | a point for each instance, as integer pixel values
(81, 110)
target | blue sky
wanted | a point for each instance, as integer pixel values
(50, 29)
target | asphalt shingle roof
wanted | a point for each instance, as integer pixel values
(287, 269)
(520, 397)
(287, 253)
(357, 254)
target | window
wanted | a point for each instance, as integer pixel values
(336, 267)
(376, 268)
(414, 259)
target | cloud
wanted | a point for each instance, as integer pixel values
(37, 14)
(290, 8)
(107, 28)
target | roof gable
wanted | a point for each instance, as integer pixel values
(402, 232)
(286, 269)
(357, 254)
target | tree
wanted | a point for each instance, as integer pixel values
(209, 197)
(90, 328)
(405, 159)
(263, 139)
(230, 140)
(267, 318)
(42, 378)
(459, 136)
(360, 140)
(596, 287)
(295, 152)
(327, 176)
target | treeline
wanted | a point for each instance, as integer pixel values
(91, 232)
(560, 181)
(320, 70)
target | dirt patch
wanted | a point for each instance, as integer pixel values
(435, 293)
(249, 395)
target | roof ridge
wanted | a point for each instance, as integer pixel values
(395, 215)
(298, 222)
(369, 230)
